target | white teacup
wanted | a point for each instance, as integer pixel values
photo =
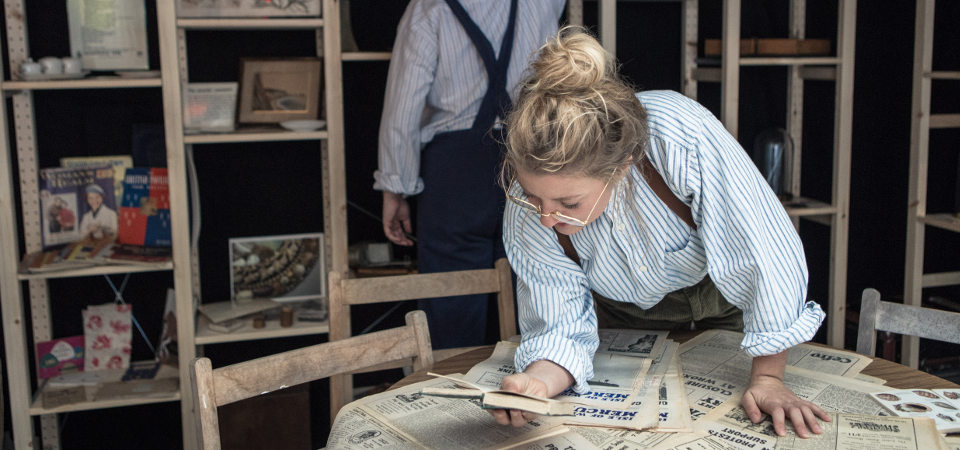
(29, 67)
(72, 65)
(51, 65)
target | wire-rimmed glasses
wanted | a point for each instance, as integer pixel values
(561, 217)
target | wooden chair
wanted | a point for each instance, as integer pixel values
(876, 315)
(344, 292)
(213, 388)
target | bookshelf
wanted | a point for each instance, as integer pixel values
(839, 68)
(923, 121)
(834, 212)
(175, 45)
(26, 298)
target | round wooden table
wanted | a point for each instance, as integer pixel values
(897, 376)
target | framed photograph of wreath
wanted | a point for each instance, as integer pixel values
(283, 268)
(277, 90)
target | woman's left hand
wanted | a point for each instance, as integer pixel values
(769, 395)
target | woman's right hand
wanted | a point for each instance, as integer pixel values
(542, 378)
(396, 219)
(521, 383)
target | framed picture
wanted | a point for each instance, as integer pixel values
(283, 268)
(248, 8)
(277, 90)
(209, 107)
(108, 35)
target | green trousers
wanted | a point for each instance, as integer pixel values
(698, 307)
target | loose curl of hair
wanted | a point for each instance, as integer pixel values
(574, 115)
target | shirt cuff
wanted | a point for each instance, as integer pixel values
(575, 357)
(800, 331)
(393, 183)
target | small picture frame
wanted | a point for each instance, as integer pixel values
(248, 8)
(277, 90)
(282, 268)
(210, 107)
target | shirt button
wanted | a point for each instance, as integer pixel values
(643, 268)
(620, 226)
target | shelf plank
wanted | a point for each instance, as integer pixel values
(247, 333)
(255, 135)
(106, 269)
(100, 82)
(938, 279)
(943, 75)
(789, 60)
(802, 206)
(945, 121)
(250, 24)
(945, 221)
(164, 393)
(365, 56)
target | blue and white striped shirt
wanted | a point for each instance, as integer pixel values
(638, 253)
(437, 79)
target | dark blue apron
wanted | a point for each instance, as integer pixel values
(460, 211)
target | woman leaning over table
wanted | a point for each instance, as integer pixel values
(577, 144)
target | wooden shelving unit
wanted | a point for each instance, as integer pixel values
(922, 122)
(838, 68)
(26, 392)
(192, 328)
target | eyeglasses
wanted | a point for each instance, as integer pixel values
(557, 214)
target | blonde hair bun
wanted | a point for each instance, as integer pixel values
(573, 61)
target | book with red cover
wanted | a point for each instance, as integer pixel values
(145, 208)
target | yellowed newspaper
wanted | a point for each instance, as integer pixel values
(623, 392)
(403, 418)
(729, 427)
(715, 370)
(599, 438)
(637, 343)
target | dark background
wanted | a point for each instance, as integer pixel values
(275, 188)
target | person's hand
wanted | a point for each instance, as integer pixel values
(769, 395)
(521, 383)
(396, 219)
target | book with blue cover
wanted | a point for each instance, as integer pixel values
(145, 208)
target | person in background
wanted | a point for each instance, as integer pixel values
(453, 67)
(100, 221)
(642, 211)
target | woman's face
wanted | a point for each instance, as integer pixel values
(576, 196)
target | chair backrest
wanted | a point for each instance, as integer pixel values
(877, 315)
(217, 387)
(344, 292)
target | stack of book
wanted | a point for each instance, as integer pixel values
(101, 210)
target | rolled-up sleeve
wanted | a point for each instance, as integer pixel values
(554, 304)
(412, 69)
(754, 254)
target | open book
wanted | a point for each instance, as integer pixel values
(499, 399)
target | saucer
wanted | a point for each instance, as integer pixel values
(303, 125)
(54, 76)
